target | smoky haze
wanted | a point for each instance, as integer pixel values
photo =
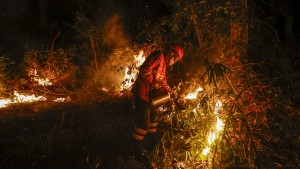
(110, 73)
(115, 35)
(24, 21)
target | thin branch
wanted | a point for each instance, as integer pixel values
(94, 52)
(52, 47)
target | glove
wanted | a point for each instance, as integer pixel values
(171, 92)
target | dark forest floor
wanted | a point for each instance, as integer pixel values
(68, 135)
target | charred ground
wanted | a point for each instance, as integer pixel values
(68, 135)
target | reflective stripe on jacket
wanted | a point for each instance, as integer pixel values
(153, 70)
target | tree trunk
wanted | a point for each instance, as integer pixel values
(195, 20)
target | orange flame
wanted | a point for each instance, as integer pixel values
(218, 128)
(193, 95)
(24, 98)
(35, 77)
(130, 74)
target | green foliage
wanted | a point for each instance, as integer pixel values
(192, 22)
(185, 137)
(215, 72)
(216, 64)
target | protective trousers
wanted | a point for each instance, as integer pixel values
(145, 119)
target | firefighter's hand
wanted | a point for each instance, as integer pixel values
(172, 93)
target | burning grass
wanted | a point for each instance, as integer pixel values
(225, 114)
(222, 125)
(223, 119)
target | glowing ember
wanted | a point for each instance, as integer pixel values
(193, 95)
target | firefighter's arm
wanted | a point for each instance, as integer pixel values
(148, 65)
(166, 86)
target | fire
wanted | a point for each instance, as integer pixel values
(35, 77)
(21, 98)
(60, 99)
(217, 107)
(128, 79)
(193, 95)
(206, 151)
(219, 125)
(218, 128)
(211, 138)
(42, 82)
(131, 71)
(140, 58)
(4, 102)
(24, 98)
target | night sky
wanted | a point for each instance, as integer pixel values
(22, 20)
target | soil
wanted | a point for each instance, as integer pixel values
(48, 135)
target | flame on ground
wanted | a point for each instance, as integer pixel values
(25, 98)
(4, 102)
(193, 95)
(215, 132)
(21, 98)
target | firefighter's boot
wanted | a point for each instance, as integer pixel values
(139, 150)
(153, 140)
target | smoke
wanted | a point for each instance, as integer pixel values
(110, 74)
(114, 36)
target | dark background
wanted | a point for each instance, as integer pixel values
(25, 20)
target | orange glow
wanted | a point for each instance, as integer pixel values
(218, 128)
(131, 74)
(211, 137)
(4, 102)
(193, 95)
(21, 98)
(206, 151)
(219, 125)
(41, 81)
(24, 98)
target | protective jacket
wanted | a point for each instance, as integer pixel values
(152, 75)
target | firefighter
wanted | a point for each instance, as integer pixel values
(152, 76)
